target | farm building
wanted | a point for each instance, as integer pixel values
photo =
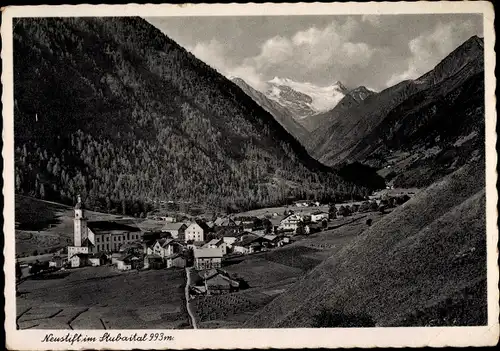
(79, 260)
(216, 282)
(206, 258)
(271, 241)
(97, 259)
(194, 232)
(175, 260)
(319, 216)
(129, 262)
(177, 230)
(153, 262)
(57, 261)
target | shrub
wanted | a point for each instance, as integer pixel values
(369, 222)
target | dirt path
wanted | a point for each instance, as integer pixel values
(188, 306)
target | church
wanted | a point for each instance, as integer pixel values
(93, 240)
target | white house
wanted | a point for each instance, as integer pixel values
(319, 216)
(194, 232)
(164, 247)
(290, 223)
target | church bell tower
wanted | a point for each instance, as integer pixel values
(80, 223)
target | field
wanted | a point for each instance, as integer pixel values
(43, 227)
(103, 298)
(272, 273)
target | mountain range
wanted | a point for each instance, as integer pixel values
(278, 111)
(112, 109)
(417, 130)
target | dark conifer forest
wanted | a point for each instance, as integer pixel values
(112, 109)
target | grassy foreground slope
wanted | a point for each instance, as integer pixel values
(428, 254)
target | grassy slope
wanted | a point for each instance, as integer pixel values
(43, 225)
(427, 251)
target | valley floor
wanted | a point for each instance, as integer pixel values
(105, 298)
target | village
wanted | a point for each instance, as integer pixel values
(163, 242)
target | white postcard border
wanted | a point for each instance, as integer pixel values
(256, 338)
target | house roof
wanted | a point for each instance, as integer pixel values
(270, 237)
(173, 226)
(207, 253)
(153, 256)
(247, 239)
(104, 227)
(164, 242)
(87, 242)
(175, 255)
(151, 225)
(81, 255)
(214, 242)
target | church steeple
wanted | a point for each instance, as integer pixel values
(80, 223)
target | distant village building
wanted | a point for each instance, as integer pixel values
(319, 216)
(175, 260)
(217, 282)
(194, 232)
(176, 229)
(217, 244)
(290, 223)
(206, 258)
(165, 247)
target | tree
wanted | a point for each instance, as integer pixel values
(324, 224)
(369, 222)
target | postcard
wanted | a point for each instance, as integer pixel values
(271, 175)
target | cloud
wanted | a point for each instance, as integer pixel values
(313, 49)
(430, 48)
(370, 50)
(217, 55)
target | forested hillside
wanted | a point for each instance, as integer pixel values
(113, 109)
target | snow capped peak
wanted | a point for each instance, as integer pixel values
(309, 98)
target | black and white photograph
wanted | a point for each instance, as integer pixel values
(327, 171)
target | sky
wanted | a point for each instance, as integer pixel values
(376, 51)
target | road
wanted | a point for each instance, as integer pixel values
(188, 306)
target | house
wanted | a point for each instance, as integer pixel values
(248, 243)
(217, 282)
(153, 262)
(194, 232)
(165, 247)
(271, 241)
(79, 260)
(206, 258)
(290, 223)
(313, 228)
(319, 216)
(56, 261)
(217, 244)
(177, 230)
(129, 262)
(175, 260)
(97, 259)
